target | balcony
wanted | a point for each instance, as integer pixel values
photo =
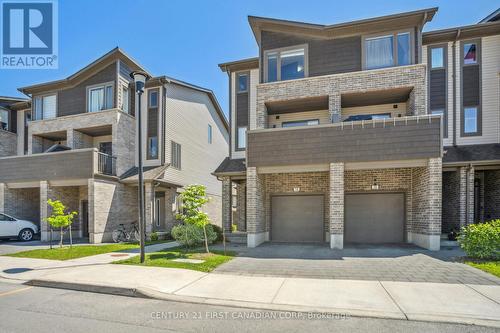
(405, 138)
(65, 165)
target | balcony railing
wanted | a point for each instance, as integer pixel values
(106, 164)
(393, 139)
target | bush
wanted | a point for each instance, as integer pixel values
(218, 231)
(234, 227)
(154, 236)
(481, 241)
(191, 235)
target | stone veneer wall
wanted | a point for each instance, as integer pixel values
(241, 206)
(334, 86)
(70, 197)
(110, 203)
(256, 208)
(451, 201)
(8, 143)
(491, 194)
(308, 182)
(226, 204)
(389, 180)
(23, 203)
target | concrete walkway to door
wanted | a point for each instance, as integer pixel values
(404, 263)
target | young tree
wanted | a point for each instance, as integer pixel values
(193, 199)
(59, 218)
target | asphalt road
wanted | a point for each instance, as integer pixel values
(29, 309)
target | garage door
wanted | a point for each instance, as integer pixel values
(374, 218)
(297, 218)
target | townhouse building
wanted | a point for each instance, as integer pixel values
(369, 131)
(76, 140)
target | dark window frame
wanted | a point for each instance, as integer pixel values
(247, 76)
(395, 57)
(279, 50)
(479, 129)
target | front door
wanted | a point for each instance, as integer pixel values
(85, 219)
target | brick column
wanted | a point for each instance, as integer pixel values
(149, 195)
(334, 107)
(435, 197)
(256, 222)
(70, 138)
(226, 204)
(3, 188)
(336, 205)
(241, 205)
(44, 211)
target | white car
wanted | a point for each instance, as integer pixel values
(11, 227)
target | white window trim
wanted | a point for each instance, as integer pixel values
(394, 35)
(304, 47)
(150, 92)
(127, 88)
(98, 86)
(33, 113)
(238, 75)
(238, 146)
(210, 134)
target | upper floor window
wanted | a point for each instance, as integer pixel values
(210, 134)
(437, 57)
(286, 64)
(45, 107)
(242, 83)
(388, 50)
(470, 53)
(242, 138)
(152, 148)
(100, 98)
(175, 157)
(125, 100)
(470, 120)
(4, 120)
(153, 98)
(311, 122)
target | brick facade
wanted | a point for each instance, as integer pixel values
(241, 206)
(334, 86)
(492, 194)
(8, 143)
(226, 204)
(451, 201)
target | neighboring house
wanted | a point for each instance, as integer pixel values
(80, 147)
(11, 112)
(337, 131)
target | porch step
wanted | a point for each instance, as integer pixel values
(237, 237)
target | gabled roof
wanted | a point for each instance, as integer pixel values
(463, 32)
(231, 167)
(495, 16)
(239, 65)
(395, 21)
(83, 73)
(14, 103)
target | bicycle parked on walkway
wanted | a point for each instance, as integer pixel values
(123, 235)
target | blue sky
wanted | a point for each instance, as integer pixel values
(187, 39)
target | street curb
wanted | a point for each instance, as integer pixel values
(148, 293)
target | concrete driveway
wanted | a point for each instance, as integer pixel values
(404, 263)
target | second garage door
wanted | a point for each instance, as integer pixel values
(297, 218)
(374, 218)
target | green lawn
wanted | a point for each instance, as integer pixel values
(77, 251)
(492, 267)
(164, 259)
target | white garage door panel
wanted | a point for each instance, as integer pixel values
(374, 218)
(297, 218)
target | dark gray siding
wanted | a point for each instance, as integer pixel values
(326, 144)
(330, 56)
(73, 100)
(471, 85)
(51, 166)
(242, 109)
(437, 89)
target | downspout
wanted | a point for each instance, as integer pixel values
(454, 52)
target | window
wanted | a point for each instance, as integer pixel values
(153, 99)
(470, 120)
(470, 54)
(388, 50)
(209, 134)
(45, 107)
(100, 98)
(242, 138)
(4, 120)
(176, 155)
(242, 82)
(286, 64)
(311, 122)
(404, 52)
(152, 148)
(125, 100)
(437, 57)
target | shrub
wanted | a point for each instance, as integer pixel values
(191, 235)
(482, 240)
(234, 227)
(218, 231)
(154, 236)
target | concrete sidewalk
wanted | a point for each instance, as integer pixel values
(458, 303)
